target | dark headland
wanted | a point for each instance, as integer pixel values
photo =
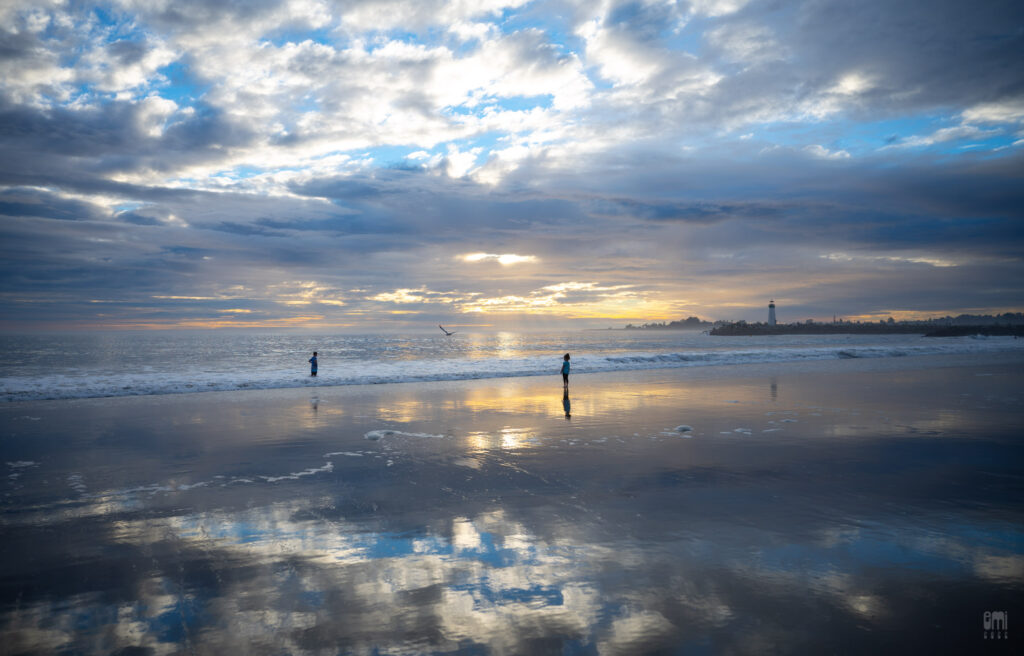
(1010, 323)
(742, 328)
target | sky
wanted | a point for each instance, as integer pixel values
(497, 164)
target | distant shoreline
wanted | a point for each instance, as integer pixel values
(748, 330)
(642, 329)
(1008, 323)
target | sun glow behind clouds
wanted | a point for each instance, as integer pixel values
(421, 295)
(565, 300)
(504, 259)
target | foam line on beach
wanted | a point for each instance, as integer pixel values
(375, 435)
(327, 467)
(84, 503)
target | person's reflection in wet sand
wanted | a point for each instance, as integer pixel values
(314, 402)
(566, 405)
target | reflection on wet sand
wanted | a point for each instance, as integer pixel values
(456, 532)
(515, 396)
(505, 438)
(294, 577)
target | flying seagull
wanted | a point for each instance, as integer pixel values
(447, 333)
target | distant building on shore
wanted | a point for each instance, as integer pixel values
(771, 312)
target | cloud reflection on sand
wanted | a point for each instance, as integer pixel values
(229, 579)
(507, 537)
(488, 580)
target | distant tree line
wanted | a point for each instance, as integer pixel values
(1007, 318)
(1010, 323)
(1017, 330)
(689, 323)
(812, 328)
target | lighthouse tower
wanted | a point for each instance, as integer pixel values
(771, 312)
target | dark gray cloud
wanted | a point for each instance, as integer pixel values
(246, 229)
(700, 212)
(59, 146)
(138, 218)
(927, 53)
(783, 61)
(17, 45)
(190, 14)
(18, 202)
(339, 189)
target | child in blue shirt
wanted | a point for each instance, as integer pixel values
(565, 371)
(312, 365)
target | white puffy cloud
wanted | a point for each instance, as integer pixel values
(405, 14)
(820, 151)
(944, 135)
(123, 65)
(1010, 110)
(747, 43)
(154, 114)
(717, 7)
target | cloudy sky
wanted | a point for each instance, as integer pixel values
(499, 163)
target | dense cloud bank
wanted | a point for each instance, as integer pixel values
(306, 163)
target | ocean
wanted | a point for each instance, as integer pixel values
(91, 365)
(806, 494)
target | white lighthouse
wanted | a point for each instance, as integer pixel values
(771, 312)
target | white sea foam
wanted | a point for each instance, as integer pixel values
(387, 432)
(327, 467)
(76, 483)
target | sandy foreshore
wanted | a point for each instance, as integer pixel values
(810, 507)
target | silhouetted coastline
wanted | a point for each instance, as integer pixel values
(744, 329)
(690, 323)
(993, 331)
(1009, 323)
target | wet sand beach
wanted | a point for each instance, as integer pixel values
(826, 507)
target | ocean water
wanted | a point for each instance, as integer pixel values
(152, 363)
